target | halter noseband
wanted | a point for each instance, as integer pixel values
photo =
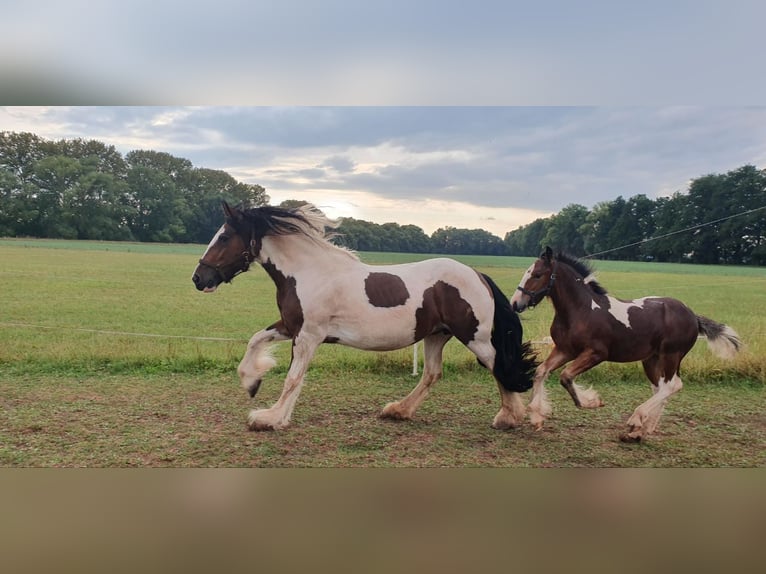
(541, 293)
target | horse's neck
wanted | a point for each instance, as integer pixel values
(292, 253)
(570, 295)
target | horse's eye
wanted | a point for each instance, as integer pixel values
(536, 275)
(223, 239)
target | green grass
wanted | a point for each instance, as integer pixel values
(103, 362)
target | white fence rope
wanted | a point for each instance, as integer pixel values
(120, 333)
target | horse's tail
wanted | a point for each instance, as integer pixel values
(722, 339)
(515, 362)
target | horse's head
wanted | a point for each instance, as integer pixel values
(536, 282)
(230, 252)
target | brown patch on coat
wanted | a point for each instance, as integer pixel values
(443, 309)
(287, 300)
(385, 290)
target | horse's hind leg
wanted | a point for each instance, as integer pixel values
(663, 373)
(258, 360)
(653, 370)
(512, 410)
(432, 372)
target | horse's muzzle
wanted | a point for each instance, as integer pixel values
(206, 284)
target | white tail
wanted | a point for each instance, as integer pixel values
(723, 341)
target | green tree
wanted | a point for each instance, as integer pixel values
(96, 207)
(52, 179)
(527, 240)
(564, 230)
(743, 238)
(454, 241)
(156, 205)
(202, 191)
(667, 244)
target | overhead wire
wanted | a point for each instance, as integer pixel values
(663, 236)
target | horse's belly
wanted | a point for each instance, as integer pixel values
(373, 335)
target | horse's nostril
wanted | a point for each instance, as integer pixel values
(195, 279)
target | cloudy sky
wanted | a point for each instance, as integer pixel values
(472, 167)
(379, 110)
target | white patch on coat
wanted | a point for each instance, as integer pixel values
(209, 245)
(619, 309)
(215, 238)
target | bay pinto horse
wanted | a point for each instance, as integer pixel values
(325, 294)
(590, 327)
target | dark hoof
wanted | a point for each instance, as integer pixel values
(254, 389)
(628, 438)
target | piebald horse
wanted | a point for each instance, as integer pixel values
(590, 327)
(325, 294)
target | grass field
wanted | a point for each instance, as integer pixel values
(110, 357)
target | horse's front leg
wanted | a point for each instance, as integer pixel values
(539, 407)
(582, 397)
(278, 416)
(258, 360)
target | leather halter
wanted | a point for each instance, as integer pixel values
(536, 296)
(248, 256)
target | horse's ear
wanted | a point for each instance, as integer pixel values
(231, 212)
(547, 254)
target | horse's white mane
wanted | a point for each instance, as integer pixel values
(317, 226)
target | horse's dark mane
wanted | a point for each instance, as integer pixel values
(584, 268)
(270, 220)
(306, 220)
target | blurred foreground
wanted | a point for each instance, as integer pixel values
(381, 520)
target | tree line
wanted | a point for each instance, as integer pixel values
(721, 219)
(85, 189)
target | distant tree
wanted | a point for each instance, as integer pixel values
(202, 191)
(743, 239)
(52, 178)
(667, 245)
(97, 207)
(293, 203)
(564, 230)
(414, 240)
(19, 152)
(527, 240)
(156, 205)
(450, 240)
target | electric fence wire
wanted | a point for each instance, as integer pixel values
(663, 236)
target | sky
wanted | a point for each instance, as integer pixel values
(492, 168)
(483, 114)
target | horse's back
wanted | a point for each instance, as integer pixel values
(655, 326)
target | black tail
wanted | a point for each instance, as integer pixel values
(515, 362)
